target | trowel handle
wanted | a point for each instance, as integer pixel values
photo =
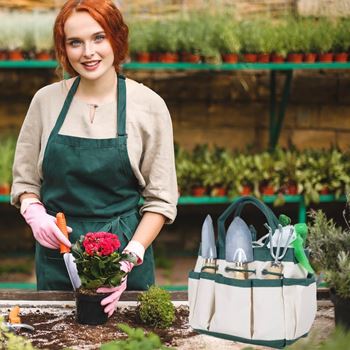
(62, 225)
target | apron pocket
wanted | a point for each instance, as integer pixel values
(232, 314)
(268, 310)
(203, 302)
(300, 306)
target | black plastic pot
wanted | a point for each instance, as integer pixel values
(341, 310)
(89, 309)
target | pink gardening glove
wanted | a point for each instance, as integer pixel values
(44, 227)
(112, 300)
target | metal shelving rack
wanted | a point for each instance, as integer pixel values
(277, 107)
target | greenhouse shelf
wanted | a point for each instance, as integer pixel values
(4, 198)
(208, 200)
(190, 66)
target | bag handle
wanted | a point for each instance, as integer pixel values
(236, 207)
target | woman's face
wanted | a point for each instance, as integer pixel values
(88, 49)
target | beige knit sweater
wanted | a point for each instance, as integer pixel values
(150, 141)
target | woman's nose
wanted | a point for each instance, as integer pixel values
(89, 50)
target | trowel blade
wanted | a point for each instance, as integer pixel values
(72, 270)
(208, 247)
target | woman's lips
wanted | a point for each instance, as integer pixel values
(91, 66)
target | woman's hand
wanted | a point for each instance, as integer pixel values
(111, 301)
(44, 227)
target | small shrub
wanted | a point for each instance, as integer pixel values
(155, 308)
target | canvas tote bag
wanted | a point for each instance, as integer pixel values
(256, 310)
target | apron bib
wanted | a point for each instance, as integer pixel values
(92, 182)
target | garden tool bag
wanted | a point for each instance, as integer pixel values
(256, 310)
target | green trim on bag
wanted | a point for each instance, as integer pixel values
(253, 282)
(267, 283)
(203, 275)
(299, 281)
(277, 344)
(233, 281)
(263, 254)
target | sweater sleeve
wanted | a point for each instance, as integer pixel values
(26, 176)
(158, 165)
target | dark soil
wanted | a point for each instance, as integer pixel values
(60, 330)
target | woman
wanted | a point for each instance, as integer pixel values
(90, 146)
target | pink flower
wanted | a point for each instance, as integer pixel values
(101, 243)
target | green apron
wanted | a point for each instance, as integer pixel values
(92, 182)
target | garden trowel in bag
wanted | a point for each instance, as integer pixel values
(239, 248)
(208, 247)
(67, 255)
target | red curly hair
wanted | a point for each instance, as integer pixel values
(109, 18)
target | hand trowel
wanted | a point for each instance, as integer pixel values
(239, 248)
(208, 247)
(67, 256)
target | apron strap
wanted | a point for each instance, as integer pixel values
(66, 106)
(121, 106)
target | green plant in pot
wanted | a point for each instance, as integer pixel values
(219, 171)
(43, 36)
(227, 38)
(278, 37)
(297, 41)
(329, 248)
(189, 38)
(99, 264)
(244, 178)
(140, 39)
(323, 39)
(341, 42)
(265, 164)
(200, 165)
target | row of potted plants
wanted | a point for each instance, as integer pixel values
(218, 172)
(195, 37)
(26, 35)
(213, 38)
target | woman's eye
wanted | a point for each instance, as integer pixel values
(74, 43)
(99, 38)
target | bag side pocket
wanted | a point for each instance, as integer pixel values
(201, 299)
(232, 307)
(300, 302)
(268, 310)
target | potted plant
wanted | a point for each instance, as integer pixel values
(278, 43)
(43, 37)
(16, 26)
(219, 172)
(244, 177)
(265, 165)
(99, 265)
(167, 41)
(297, 42)
(323, 40)
(7, 151)
(329, 248)
(140, 39)
(341, 43)
(200, 164)
(287, 163)
(189, 38)
(227, 39)
(208, 43)
(309, 28)
(249, 38)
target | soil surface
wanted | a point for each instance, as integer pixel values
(57, 329)
(60, 330)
